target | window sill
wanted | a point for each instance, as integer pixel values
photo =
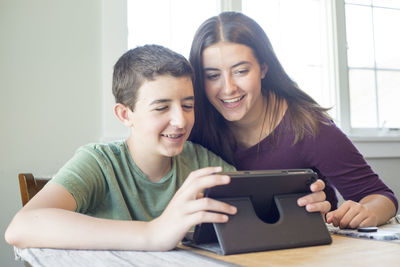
(377, 146)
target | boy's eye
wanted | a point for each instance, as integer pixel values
(161, 108)
(188, 106)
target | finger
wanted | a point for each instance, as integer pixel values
(357, 219)
(335, 216)
(194, 175)
(351, 213)
(322, 207)
(200, 195)
(368, 222)
(207, 217)
(329, 217)
(311, 198)
(192, 190)
(318, 185)
(209, 204)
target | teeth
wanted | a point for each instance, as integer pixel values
(232, 100)
(172, 135)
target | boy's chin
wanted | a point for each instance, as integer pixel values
(172, 152)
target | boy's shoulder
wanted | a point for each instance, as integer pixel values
(191, 148)
(201, 157)
(113, 148)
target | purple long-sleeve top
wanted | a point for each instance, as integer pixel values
(330, 154)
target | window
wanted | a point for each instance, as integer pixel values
(357, 74)
(373, 63)
(170, 24)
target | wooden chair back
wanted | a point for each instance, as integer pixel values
(30, 185)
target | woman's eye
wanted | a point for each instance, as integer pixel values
(212, 76)
(241, 71)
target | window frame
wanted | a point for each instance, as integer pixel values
(371, 142)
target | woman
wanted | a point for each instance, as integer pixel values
(254, 116)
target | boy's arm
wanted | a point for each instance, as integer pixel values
(49, 220)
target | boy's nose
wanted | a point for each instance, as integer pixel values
(178, 118)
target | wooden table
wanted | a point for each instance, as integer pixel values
(344, 251)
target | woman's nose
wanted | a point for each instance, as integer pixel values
(229, 85)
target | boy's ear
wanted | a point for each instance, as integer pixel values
(122, 112)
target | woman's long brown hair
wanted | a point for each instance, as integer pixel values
(210, 128)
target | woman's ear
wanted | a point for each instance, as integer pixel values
(123, 113)
(264, 70)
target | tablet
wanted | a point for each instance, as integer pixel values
(261, 186)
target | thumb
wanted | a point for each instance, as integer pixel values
(329, 217)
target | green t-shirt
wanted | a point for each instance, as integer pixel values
(106, 182)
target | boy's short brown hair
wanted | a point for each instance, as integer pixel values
(145, 63)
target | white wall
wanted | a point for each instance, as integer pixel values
(51, 90)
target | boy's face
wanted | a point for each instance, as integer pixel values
(163, 116)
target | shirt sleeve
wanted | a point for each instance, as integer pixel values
(337, 159)
(83, 177)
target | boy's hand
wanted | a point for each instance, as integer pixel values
(316, 201)
(188, 208)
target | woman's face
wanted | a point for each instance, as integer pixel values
(232, 78)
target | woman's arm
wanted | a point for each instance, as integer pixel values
(49, 220)
(372, 210)
(369, 201)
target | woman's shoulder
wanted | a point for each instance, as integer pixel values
(327, 128)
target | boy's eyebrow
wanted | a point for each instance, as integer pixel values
(159, 101)
(189, 98)
(234, 66)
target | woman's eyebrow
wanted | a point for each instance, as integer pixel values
(210, 69)
(233, 66)
(241, 63)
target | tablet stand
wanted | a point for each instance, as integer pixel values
(246, 232)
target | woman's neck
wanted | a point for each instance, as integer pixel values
(261, 123)
(154, 167)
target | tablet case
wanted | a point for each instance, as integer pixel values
(246, 232)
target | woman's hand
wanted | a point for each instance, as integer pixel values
(372, 210)
(188, 208)
(352, 214)
(316, 201)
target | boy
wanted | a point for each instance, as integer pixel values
(138, 194)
